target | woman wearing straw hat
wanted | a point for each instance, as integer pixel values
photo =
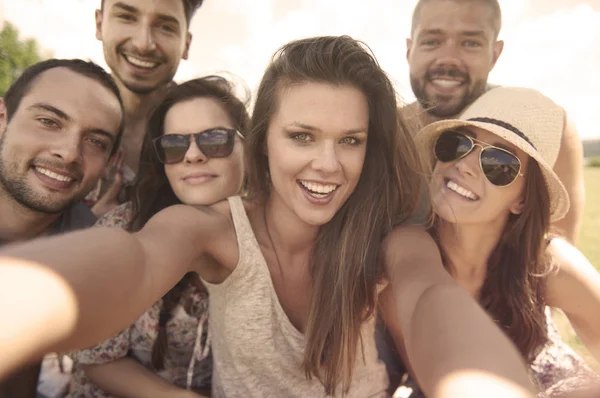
(495, 194)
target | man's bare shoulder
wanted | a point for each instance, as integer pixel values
(412, 116)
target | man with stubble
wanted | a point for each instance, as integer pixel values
(143, 43)
(452, 49)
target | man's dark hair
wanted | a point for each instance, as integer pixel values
(189, 7)
(493, 4)
(23, 84)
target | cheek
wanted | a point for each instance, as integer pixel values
(438, 170)
(171, 173)
(420, 62)
(480, 66)
(172, 48)
(232, 174)
(95, 165)
(353, 164)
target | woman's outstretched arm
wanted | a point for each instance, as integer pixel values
(72, 291)
(454, 347)
(575, 288)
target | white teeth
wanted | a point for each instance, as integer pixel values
(140, 63)
(318, 190)
(461, 191)
(53, 175)
(446, 83)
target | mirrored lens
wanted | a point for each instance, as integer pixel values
(216, 143)
(500, 167)
(171, 148)
(452, 145)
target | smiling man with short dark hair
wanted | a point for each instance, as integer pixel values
(53, 150)
(143, 43)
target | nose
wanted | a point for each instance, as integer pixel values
(449, 55)
(143, 38)
(469, 165)
(327, 160)
(68, 148)
(194, 154)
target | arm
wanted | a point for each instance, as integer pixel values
(569, 168)
(108, 367)
(454, 348)
(79, 282)
(127, 378)
(575, 289)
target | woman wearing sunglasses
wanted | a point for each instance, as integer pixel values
(494, 195)
(192, 154)
(294, 270)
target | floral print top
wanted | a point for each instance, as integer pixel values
(188, 363)
(557, 369)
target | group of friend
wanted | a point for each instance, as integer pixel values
(335, 242)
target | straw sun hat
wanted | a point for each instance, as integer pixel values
(524, 117)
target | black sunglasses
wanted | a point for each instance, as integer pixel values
(213, 143)
(499, 166)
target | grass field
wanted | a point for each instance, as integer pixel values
(589, 244)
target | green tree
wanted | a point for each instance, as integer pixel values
(15, 56)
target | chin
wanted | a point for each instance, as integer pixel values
(444, 210)
(317, 218)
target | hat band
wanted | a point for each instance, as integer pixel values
(503, 125)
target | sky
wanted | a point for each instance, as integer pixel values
(550, 45)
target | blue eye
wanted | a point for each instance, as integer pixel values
(125, 17)
(48, 122)
(98, 143)
(304, 137)
(351, 141)
(471, 44)
(168, 28)
(431, 43)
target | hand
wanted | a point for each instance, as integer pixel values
(111, 185)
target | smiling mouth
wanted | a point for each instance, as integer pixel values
(444, 83)
(317, 190)
(465, 193)
(53, 175)
(140, 63)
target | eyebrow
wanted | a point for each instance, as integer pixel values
(62, 115)
(431, 32)
(469, 33)
(473, 33)
(49, 108)
(104, 133)
(313, 128)
(125, 7)
(129, 8)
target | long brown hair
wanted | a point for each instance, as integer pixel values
(152, 191)
(514, 290)
(346, 262)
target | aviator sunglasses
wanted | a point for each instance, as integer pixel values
(213, 143)
(499, 166)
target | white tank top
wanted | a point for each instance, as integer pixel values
(257, 352)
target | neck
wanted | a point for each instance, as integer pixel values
(467, 249)
(137, 110)
(290, 235)
(427, 118)
(138, 106)
(20, 222)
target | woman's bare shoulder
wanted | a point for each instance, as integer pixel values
(408, 239)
